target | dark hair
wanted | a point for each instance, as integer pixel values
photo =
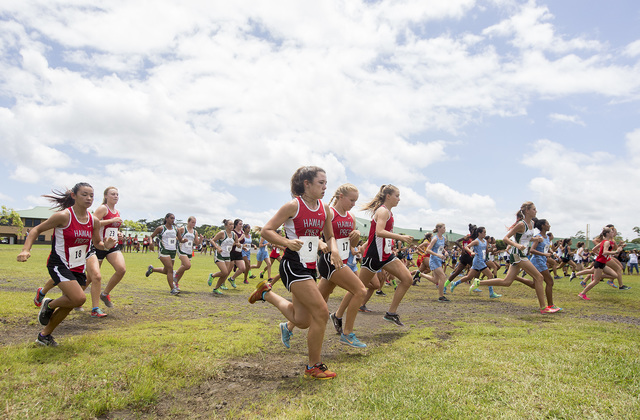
(476, 232)
(539, 223)
(63, 200)
(304, 173)
(566, 241)
(235, 222)
(472, 227)
(166, 217)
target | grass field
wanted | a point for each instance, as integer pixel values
(200, 356)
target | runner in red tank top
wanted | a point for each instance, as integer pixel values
(75, 229)
(344, 229)
(378, 253)
(302, 219)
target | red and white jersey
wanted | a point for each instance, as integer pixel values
(601, 258)
(71, 243)
(384, 246)
(111, 230)
(306, 225)
(342, 227)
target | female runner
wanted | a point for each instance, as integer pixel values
(74, 230)
(187, 239)
(477, 248)
(523, 231)
(305, 219)
(110, 222)
(347, 237)
(378, 252)
(263, 255)
(423, 261)
(438, 254)
(606, 249)
(244, 265)
(236, 252)
(540, 245)
(166, 234)
(223, 242)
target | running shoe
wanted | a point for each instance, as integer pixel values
(262, 275)
(45, 312)
(261, 288)
(557, 308)
(612, 284)
(351, 340)
(443, 299)
(555, 278)
(97, 313)
(416, 277)
(210, 281)
(548, 310)
(573, 276)
(474, 285)
(175, 291)
(149, 271)
(217, 292)
(583, 296)
(46, 340)
(39, 297)
(364, 308)
(247, 281)
(223, 287)
(106, 299)
(625, 287)
(337, 322)
(477, 290)
(232, 282)
(395, 319)
(380, 293)
(319, 371)
(495, 295)
(583, 283)
(285, 335)
(453, 286)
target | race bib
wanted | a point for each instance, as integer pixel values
(546, 249)
(77, 256)
(484, 255)
(343, 247)
(189, 244)
(171, 242)
(309, 250)
(440, 250)
(111, 233)
(227, 248)
(388, 242)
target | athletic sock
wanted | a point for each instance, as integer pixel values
(490, 290)
(447, 283)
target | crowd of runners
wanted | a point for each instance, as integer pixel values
(322, 250)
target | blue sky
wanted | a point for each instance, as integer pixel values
(206, 108)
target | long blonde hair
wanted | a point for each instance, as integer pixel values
(343, 189)
(520, 214)
(378, 200)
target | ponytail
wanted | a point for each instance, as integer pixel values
(63, 200)
(378, 200)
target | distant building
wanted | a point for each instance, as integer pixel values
(30, 218)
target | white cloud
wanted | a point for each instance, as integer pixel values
(183, 106)
(575, 189)
(574, 119)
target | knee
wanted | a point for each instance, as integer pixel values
(187, 266)
(121, 271)
(78, 299)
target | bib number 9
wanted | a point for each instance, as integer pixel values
(309, 250)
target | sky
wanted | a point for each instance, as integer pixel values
(206, 108)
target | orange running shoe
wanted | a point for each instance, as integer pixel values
(261, 287)
(319, 371)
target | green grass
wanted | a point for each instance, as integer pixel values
(583, 363)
